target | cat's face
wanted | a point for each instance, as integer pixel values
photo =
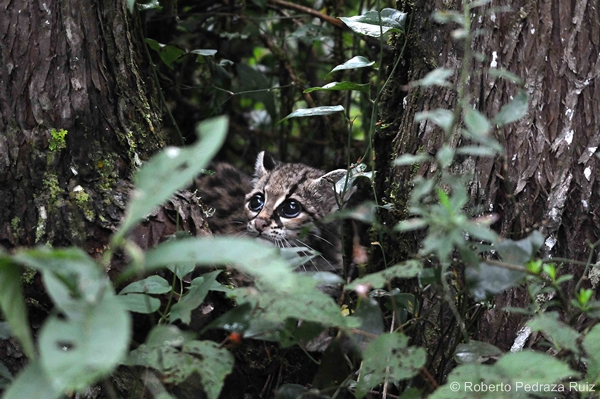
(288, 200)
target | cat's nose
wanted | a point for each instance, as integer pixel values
(261, 224)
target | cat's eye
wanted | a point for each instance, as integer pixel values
(290, 209)
(256, 202)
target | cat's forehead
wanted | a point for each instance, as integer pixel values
(287, 176)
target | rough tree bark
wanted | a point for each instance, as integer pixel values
(547, 177)
(75, 118)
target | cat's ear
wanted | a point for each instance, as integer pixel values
(264, 163)
(331, 180)
(334, 176)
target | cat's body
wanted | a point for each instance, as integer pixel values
(284, 204)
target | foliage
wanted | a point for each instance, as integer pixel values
(89, 332)
(57, 139)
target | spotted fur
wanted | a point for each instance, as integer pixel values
(284, 204)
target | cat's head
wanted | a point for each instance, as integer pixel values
(288, 200)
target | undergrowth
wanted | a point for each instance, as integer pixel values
(368, 331)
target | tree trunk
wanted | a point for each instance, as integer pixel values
(75, 118)
(546, 178)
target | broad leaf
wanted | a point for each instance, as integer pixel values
(170, 170)
(477, 151)
(139, 303)
(316, 111)
(194, 297)
(504, 74)
(477, 124)
(75, 353)
(485, 279)
(249, 256)
(591, 346)
(440, 117)
(12, 304)
(389, 358)
(336, 86)
(410, 159)
(32, 382)
(149, 285)
(407, 269)
(211, 363)
(354, 63)
(475, 352)
(168, 53)
(370, 24)
(514, 110)
(437, 77)
(561, 335)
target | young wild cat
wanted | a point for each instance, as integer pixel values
(284, 204)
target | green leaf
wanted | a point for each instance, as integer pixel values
(440, 117)
(139, 303)
(167, 335)
(410, 159)
(369, 24)
(504, 74)
(445, 16)
(437, 77)
(522, 251)
(354, 63)
(370, 317)
(182, 269)
(204, 52)
(130, 5)
(510, 376)
(170, 170)
(445, 156)
(149, 285)
(365, 213)
(591, 346)
(514, 110)
(389, 358)
(211, 363)
(32, 382)
(477, 151)
(214, 364)
(316, 111)
(561, 335)
(71, 276)
(194, 297)
(333, 86)
(237, 319)
(406, 269)
(302, 301)
(475, 351)
(477, 124)
(249, 256)
(480, 232)
(150, 5)
(411, 224)
(13, 306)
(524, 366)
(75, 353)
(168, 53)
(295, 391)
(485, 279)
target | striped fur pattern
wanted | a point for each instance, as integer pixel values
(284, 204)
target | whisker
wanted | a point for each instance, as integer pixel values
(320, 256)
(321, 238)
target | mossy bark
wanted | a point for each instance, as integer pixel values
(76, 117)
